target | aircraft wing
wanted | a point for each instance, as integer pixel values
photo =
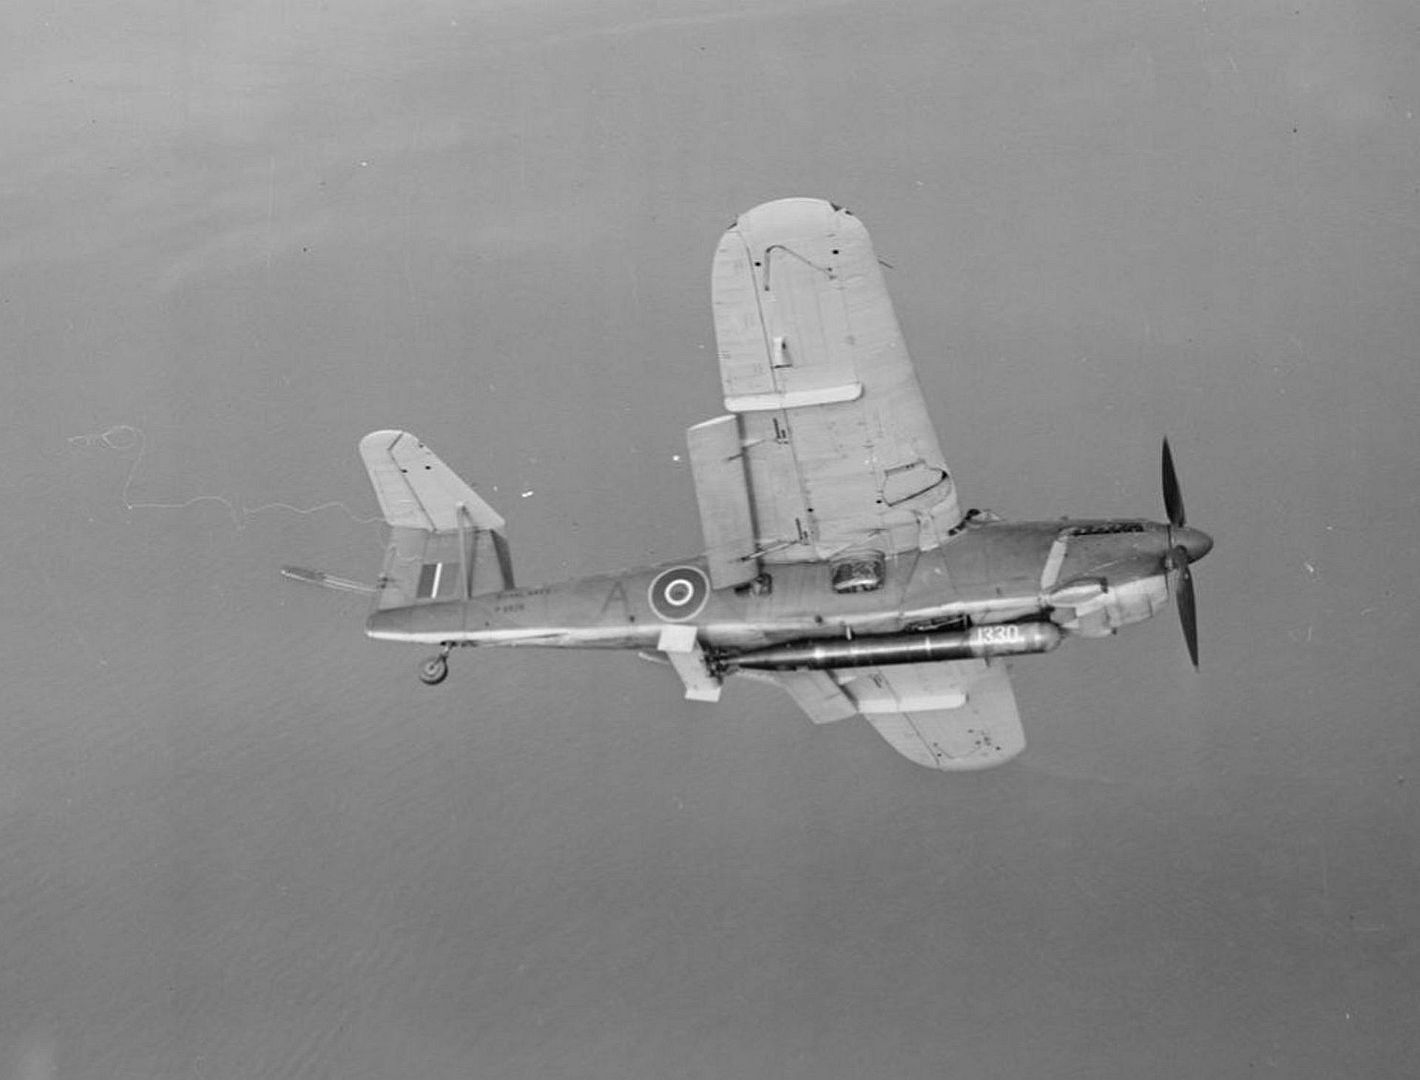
(838, 451)
(954, 716)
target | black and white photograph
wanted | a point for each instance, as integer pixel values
(709, 539)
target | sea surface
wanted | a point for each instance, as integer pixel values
(239, 840)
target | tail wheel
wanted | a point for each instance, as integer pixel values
(434, 670)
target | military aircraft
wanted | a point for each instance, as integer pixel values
(836, 563)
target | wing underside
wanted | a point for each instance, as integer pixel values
(954, 716)
(838, 451)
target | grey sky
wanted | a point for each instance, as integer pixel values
(241, 840)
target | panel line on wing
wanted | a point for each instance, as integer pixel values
(827, 271)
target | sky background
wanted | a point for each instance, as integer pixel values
(237, 839)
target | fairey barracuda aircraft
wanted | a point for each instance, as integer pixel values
(837, 563)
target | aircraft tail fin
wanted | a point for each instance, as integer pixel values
(446, 543)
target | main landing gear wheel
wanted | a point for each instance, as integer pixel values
(434, 670)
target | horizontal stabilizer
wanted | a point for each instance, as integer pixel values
(418, 491)
(445, 542)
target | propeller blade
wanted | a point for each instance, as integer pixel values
(1183, 597)
(1173, 496)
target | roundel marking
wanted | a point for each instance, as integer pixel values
(679, 593)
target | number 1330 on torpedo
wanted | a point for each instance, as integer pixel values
(837, 562)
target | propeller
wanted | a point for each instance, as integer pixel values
(1173, 496)
(1185, 545)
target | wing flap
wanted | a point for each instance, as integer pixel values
(445, 542)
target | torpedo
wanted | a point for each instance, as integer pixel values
(1004, 639)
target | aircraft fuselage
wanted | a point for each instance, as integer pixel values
(1086, 577)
